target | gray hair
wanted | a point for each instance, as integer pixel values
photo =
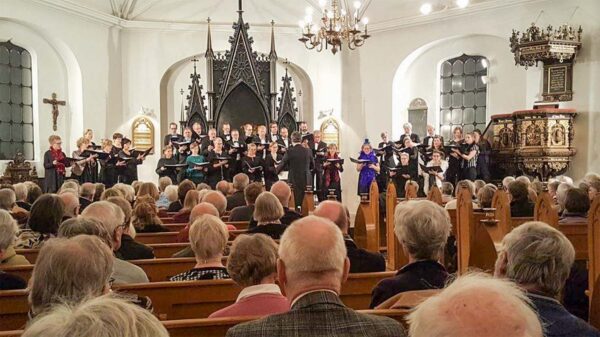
(506, 181)
(476, 305)
(171, 193)
(252, 258)
(110, 215)
(296, 137)
(407, 125)
(70, 185)
(8, 230)
(524, 179)
(70, 271)
(537, 254)
(267, 208)
(312, 246)
(71, 202)
(87, 190)
(7, 199)
(208, 237)
(127, 190)
(21, 191)
(561, 194)
(422, 227)
(217, 199)
(240, 181)
(103, 316)
(84, 226)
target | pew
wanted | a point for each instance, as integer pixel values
(501, 206)
(544, 210)
(374, 198)
(396, 258)
(308, 203)
(410, 192)
(475, 246)
(435, 195)
(366, 230)
(593, 231)
(174, 227)
(171, 237)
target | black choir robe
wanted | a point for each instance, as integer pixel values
(217, 174)
(168, 172)
(270, 170)
(248, 163)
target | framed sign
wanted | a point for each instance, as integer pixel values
(142, 134)
(330, 132)
(558, 82)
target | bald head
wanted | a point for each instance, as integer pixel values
(201, 209)
(283, 192)
(216, 199)
(334, 211)
(476, 305)
(71, 202)
(223, 187)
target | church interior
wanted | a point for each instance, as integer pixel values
(168, 81)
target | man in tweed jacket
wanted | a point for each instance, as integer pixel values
(312, 267)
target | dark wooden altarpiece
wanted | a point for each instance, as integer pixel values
(241, 86)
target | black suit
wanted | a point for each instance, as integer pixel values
(413, 136)
(167, 139)
(318, 149)
(83, 203)
(362, 261)
(288, 217)
(133, 250)
(299, 160)
(235, 200)
(242, 213)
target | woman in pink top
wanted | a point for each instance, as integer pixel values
(252, 264)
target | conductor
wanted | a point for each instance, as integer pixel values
(300, 162)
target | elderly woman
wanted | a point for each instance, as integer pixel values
(192, 198)
(577, 205)
(208, 239)
(520, 204)
(55, 164)
(46, 215)
(70, 271)
(539, 259)
(485, 195)
(252, 265)
(268, 212)
(8, 235)
(422, 228)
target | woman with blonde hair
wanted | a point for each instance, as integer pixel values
(192, 198)
(145, 216)
(268, 212)
(148, 189)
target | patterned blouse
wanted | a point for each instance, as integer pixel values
(473, 161)
(210, 273)
(28, 239)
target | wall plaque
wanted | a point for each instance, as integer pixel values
(330, 132)
(558, 82)
(142, 134)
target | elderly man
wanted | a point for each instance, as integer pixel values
(112, 219)
(361, 261)
(8, 202)
(71, 202)
(216, 199)
(223, 186)
(283, 193)
(244, 213)
(184, 235)
(311, 268)
(21, 192)
(539, 258)
(240, 181)
(408, 133)
(86, 195)
(475, 306)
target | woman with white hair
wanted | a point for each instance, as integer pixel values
(103, 316)
(268, 212)
(422, 228)
(8, 236)
(252, 264)
(208, 239)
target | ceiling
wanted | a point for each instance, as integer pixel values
(284, 12)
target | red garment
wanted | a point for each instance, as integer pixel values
(257, 305)
(331, 170)
(59, 156)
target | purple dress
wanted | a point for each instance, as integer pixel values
(367, 175)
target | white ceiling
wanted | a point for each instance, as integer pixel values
(284, 12)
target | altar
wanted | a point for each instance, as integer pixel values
(537, 142)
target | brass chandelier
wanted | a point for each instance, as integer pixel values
(339, 25)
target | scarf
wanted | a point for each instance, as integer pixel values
(332, 171)
(59, 156)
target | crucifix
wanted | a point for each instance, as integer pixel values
(55, 111)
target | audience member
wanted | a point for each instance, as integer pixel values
(422, 228)
(128, 191)
(460, 185)
(203, 186)
(145, 216)
(104, 316)
(21, 191)
(447, 192)
(223, 186)
(171, 196)
(86, 195)
(577, 205)
(283, 192)
(192, 198)
(539, 258)
(506, 182)
(33, 192)
(361, 260)
(520, 205)
(71, 204)
(252, 264)
(184, 235)
(70, 271)
(268, 212)
(112, 192)
(184, 186)
(561, 196)
(476, 305)
(593, 189)
(478, 185)
(100, 187)
(8, 199)
(311, 268)
(163, 184)
(112, 220)
(218, 200)
(552, 188)
(244, 213)
(524, 179)
(148, 189)
(70, 184)
(485, 196)
(8, 236)
(130, 249)
(46, 215)
(208, 239)
(240, 181)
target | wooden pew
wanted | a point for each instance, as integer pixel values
(396, 258)
(544, 210)
(308, 203)
(374, 198)
(501, 206)
(594, 262)
(435, 195)
(366, 230)
(13, 309)
(174, 227)
(475, 246)
(171, 237)
(411, 192)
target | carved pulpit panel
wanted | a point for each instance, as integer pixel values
(330, 132)
(142, 134)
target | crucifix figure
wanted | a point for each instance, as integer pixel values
(55, 111)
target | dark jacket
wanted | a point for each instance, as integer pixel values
(175, 206)
(363, 261)
(11, 282)
(52, 179)
(27, 206)
(152, 228)
(133, 250)
(288, 217)
(521, 208)
(420, 275)
(274, 230)
(235, 200)
(242, 213)
(320, 313)
(557, 321)
(83, 203)
(300, 162)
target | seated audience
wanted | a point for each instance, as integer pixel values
(171, 194)
(70, 184)
(485, 196)
(240, 181)
(223, 186)
(21, 196)
(8, 236)
(593, 189)
(422, 228)
(34, 191)
(552, 188)
(112, 192)
(86, 195)
(70, 271)
(182, 189)
(451, 205)
(476, 305)
(539, 259)
(506, 182)
(268, 212)
(244, 213)
(192, 198)
(520, 205)
(577, 205)
(184, 235)
(218, 200)
(145, 216)
(283, 192)
(361, 260)
(112, 220)
(208, 240)
(11, 282)
(311, 269)
(130, 249)
(71, 202)
(203, 186)
(99, 190)
(561, 196)
(478, 185)
(46, 215)
(447, 192)
(104, 316)
(163, 184)
(252, 264)
(524, 179)
(148, 189)
(8, 202)
(128, 191)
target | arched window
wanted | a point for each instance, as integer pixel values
(16, 102)
(463, 98)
